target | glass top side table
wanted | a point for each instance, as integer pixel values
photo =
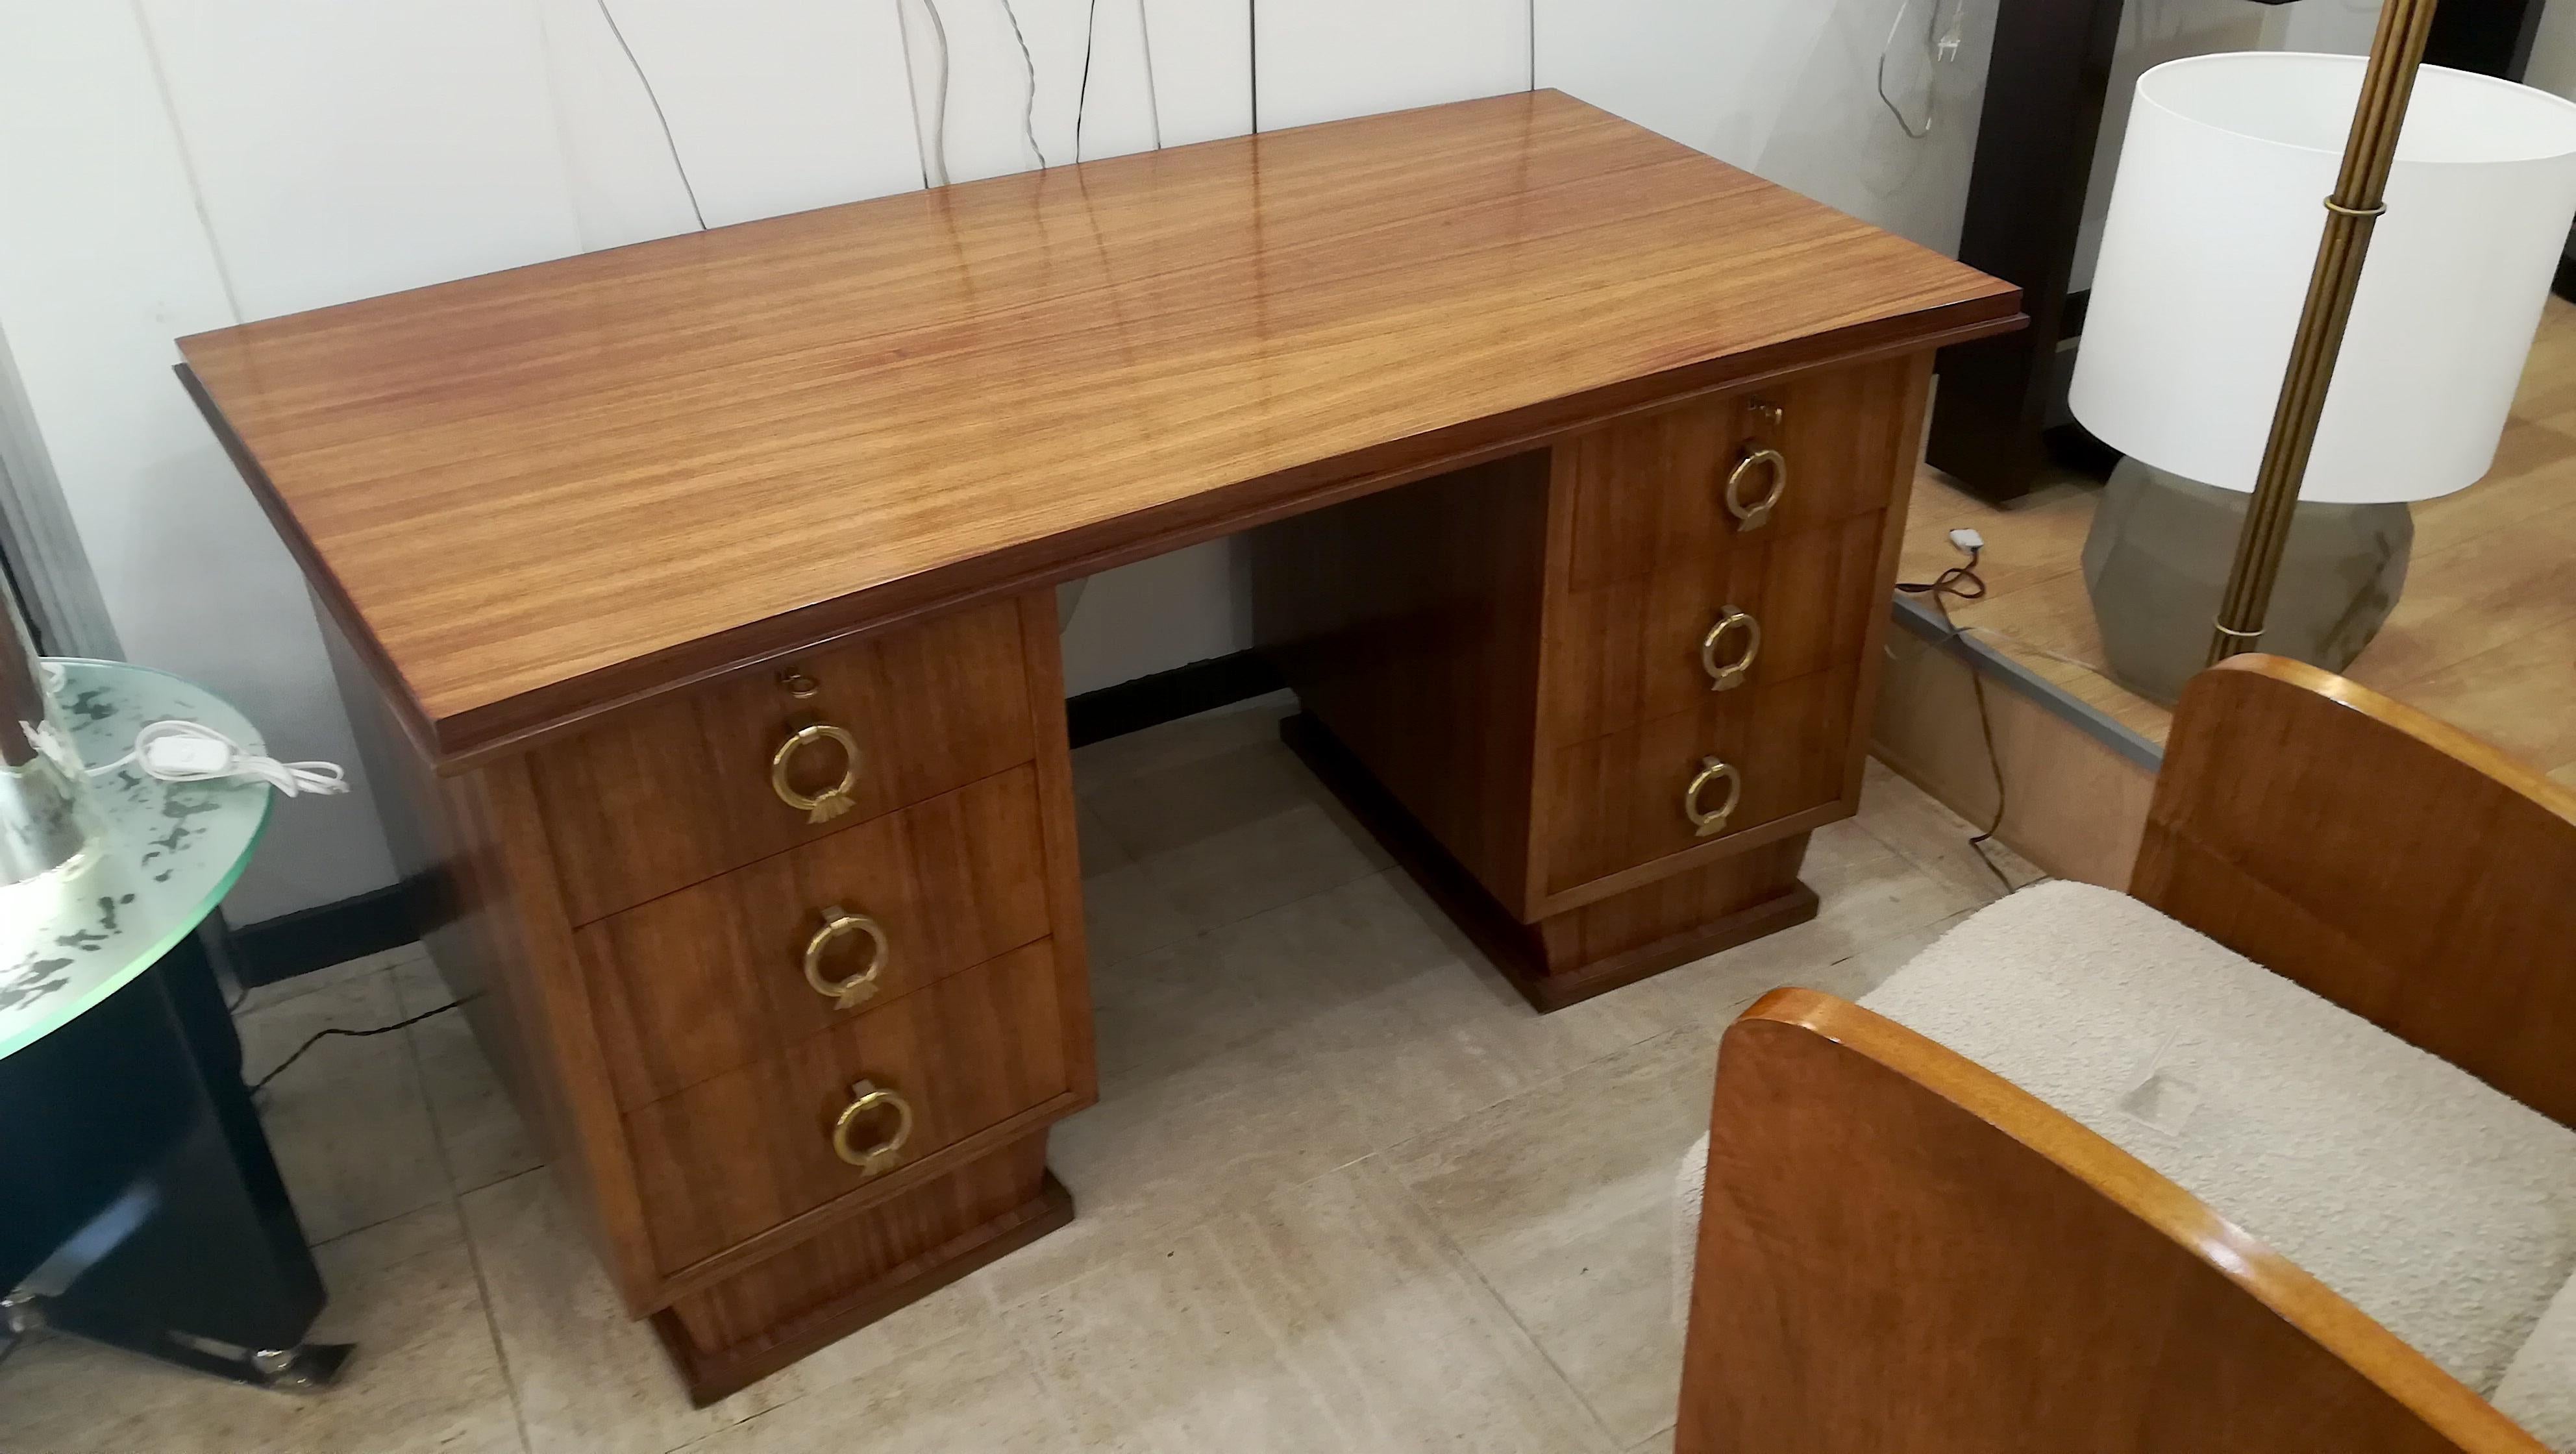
(174, 850)
(146, 1211)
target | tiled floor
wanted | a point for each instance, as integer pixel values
(1343, 1191)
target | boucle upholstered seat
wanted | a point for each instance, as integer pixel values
(2436, 1204)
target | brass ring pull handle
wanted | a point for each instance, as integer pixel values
(1703, 821)
(1757, 514)
(1730, 675)
(867, 1098)
(833, 801)
(856, 989)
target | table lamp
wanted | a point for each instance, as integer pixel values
(2211, 267)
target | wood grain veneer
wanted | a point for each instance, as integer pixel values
(1501, 670)
(1903, 1253)
(535, 494)
(2390, 862)
(666, 794)
(701, 981)
(745, 1151)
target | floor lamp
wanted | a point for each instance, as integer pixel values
(2396, 54)
(2191, 335)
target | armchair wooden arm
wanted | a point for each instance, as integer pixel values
(1903, 1253)
(2388, 861)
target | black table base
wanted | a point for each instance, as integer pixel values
(139, 1204)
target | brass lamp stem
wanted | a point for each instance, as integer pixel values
(2396, 53)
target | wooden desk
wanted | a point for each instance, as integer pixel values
(628, 552)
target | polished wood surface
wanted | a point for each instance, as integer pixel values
(699, 982)
(538, 493)
(1839, 430)
(1408, 624)
(1903, 1253)
(663, 795)
(479, 874)
(1669, 918)
(2392, 863)
(1628, 651)
(1502, 671)
(1615, 803)
(743, 1152)
(747, 1327)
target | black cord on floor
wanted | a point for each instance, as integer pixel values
(318, 1036)
(1963, 582)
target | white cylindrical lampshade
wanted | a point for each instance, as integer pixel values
(2212, 232)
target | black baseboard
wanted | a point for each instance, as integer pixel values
(322, 936)
(1168, 696)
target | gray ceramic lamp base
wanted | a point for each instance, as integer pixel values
(2157, 561)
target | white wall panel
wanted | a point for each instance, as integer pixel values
(1320, 60)
(102, 263)
(775, 106)
(341, 151)
(1202, 67)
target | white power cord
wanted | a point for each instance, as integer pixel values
(1941, 47)
(192, 752)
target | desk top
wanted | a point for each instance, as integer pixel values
(538, 494)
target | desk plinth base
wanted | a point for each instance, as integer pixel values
(1570, 957)
(726, 1337)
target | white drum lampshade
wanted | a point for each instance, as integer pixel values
(2213, 229)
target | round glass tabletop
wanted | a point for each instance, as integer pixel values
(173, 850)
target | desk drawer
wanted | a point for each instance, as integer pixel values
(733, 1156)
(698, 982)
(1619, 801)
(677, 790)
(1650, 494)
(1637, 649)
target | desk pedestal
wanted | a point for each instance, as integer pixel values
(1595, 696)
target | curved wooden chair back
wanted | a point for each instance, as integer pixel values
(1903, 1253)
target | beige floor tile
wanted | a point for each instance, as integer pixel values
(425, 1376)
(1934, 839)
(1225, 835)
(1126, 912)
(1870, 895)
(348, 1122)
(1562, 1199)
(1181, 1145)
(479, 1132)
(1253, 1057)
(969, 1392)
(1331, 1316)
(591, 1380)
(1100, 850)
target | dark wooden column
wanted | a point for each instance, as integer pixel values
(2044, 92)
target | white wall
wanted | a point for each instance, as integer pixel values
(174, 165)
